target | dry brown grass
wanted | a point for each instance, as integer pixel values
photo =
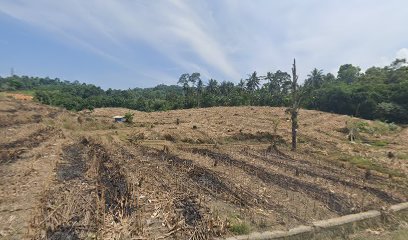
(20, 96)
(199, 173)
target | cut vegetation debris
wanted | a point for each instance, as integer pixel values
(188, 174)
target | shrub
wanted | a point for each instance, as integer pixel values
(383, 127)
(378, 127)
(240, 228)
(393, 127)
(129, 117)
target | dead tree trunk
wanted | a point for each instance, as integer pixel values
(295, 106)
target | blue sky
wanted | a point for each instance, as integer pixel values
(129, 43)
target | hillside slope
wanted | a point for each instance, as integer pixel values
(194, 173)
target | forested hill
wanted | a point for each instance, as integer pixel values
(377, 93)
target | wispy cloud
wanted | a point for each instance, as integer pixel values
(225, 39)
(171, 28)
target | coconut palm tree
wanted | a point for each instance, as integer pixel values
(253, 82)
(315, 78)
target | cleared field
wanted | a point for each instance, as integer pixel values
(198, 173)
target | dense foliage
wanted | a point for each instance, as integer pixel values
(377, 93)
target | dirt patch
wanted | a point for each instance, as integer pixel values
(205, 178)
(12, 110)
(71, 208)
(174, 192)
(333, 201)
(91, 190)
(70, 211)
(13, 150)
(190, 209)
(224, 189)
(54, 114)
(74, 165)
(63, 232)
(20, 96)
(12, 120)
(114, 188)
(258, 136)
(331, 176)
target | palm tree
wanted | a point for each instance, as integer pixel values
(241, 84)
(273, 85)
(226, 87)
(253, 82)
(315, 78)
(200, 86)
(212, 86)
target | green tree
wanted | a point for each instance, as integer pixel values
(184, 81)
(253, 82)
(226, 87)
(328, 78)
(212, 86)
(200, 89)
(241, 85)
(281, 81)
(348, 73)
(194, 78)
(391, 112)
(315, 79)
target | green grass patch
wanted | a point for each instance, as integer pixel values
(378, 143)
(403, 156)
(383, 127)
(372, 128)
(237, 225)
(361, 126)
(369, 164)
(240, 228)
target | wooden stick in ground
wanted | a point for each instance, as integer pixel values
(295, 106)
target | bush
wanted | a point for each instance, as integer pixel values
(383, 127)
(378, 127)
(129, 117)
(393, 127)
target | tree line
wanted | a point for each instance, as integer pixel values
(378, 93)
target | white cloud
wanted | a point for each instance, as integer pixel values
(225, 39)
(402, 54)
(386, 61)
(170, 27)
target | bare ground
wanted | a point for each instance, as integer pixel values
(197, 173)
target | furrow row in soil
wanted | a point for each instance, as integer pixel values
(335, 178)
(335, 202)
